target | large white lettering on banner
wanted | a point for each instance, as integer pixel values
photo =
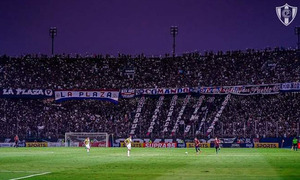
(107, 95)
(170, 113)
(218, 114)
(242, 89)
(210, 100)
(28, 93)
(163, 91)
(155, 115)
(185, 102)
(195, 115)
(137, 115)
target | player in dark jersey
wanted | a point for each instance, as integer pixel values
(217, 145)
(16, 139)
(197, 145)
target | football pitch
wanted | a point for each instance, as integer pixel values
(113, 163)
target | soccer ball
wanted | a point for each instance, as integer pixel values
(186, 153)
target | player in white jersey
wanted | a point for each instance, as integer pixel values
(128, 142)
(87, 144)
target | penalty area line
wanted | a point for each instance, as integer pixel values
(29, 176)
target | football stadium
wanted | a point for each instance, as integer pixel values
(144, 89)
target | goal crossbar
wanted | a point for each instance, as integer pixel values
(99, 139)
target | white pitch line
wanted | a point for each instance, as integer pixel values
(6, 171)
(220, 155)
(24, 177)
(232, 155)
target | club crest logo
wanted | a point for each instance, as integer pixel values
(286, 14)
(48, 92)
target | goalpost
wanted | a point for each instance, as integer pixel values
(76, 139)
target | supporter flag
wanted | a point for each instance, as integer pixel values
(40, 127)
(106, 95)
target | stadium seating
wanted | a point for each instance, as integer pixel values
(251, 116)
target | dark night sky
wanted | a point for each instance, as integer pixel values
(140, 26)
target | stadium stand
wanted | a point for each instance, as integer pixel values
(243, 116)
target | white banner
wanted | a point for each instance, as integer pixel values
(195, 115)
(137, 115)
(7, 144)
(163, 91)
(170, 113)
(155, 115)
(107, 95)
(185, 102)
(56, 144)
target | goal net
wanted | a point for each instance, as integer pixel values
(76, 139)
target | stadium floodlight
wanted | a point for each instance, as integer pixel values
(98, 139)
(174, 32)
(52, 33)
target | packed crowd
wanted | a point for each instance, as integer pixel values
(261, 116)
(190, 70)
(43, 119)
(244, 116)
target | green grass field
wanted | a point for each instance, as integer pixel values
(113, 163)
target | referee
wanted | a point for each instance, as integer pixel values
(295, 144)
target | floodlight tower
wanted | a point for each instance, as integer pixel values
(52, 33)
(297, 32)
(174, 32)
